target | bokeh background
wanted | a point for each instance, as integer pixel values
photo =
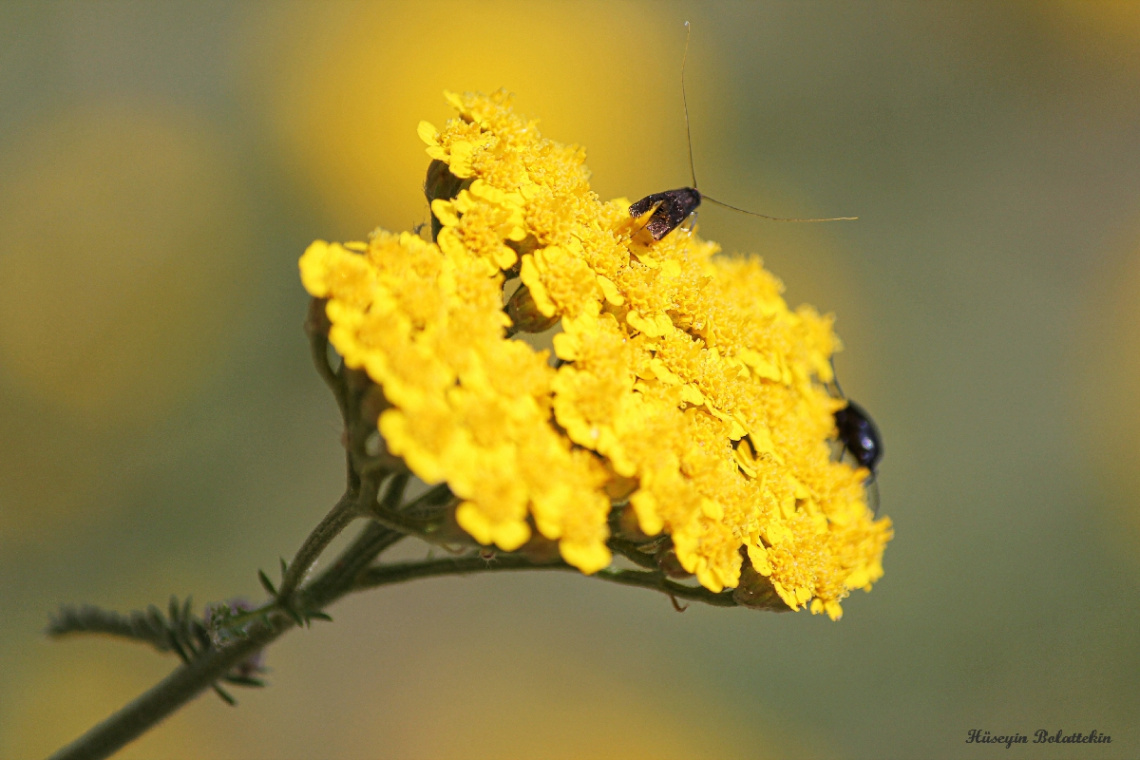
(162, 167)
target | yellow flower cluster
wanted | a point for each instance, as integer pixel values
(684, 388)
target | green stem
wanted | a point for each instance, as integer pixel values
(192, 678)
(658, 582)
(401, 572)
(345, 576)
(350, 573)
(168, 695)
(344, 512)
(372, 541)
(317, 327)
(421, 529)
(630, 551)
(202, 672)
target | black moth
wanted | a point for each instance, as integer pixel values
(672, 207)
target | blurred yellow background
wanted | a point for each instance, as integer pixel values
(163, 166)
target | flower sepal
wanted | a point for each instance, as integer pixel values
(756, 591)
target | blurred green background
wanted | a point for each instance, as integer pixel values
(162, 167)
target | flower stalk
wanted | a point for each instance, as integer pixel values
(339, 517)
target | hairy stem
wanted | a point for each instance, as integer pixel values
(349, 574)
(168, 695)
(317, 328)
(353, 571)
(372, 541)
(343, 512)
(148, 627)
(401, 572)
(192, 678)
(658, 582)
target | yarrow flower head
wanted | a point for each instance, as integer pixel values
(686, 407)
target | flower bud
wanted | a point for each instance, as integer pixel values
(624, 524)
(525, 315)
(667, 560)
(756, 591)
(440, 183)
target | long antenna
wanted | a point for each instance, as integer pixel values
(835, 378)
(710, 199)
(685, 101)
(693, 166)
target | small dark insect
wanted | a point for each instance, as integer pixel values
(859, 436)
(673, 207)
